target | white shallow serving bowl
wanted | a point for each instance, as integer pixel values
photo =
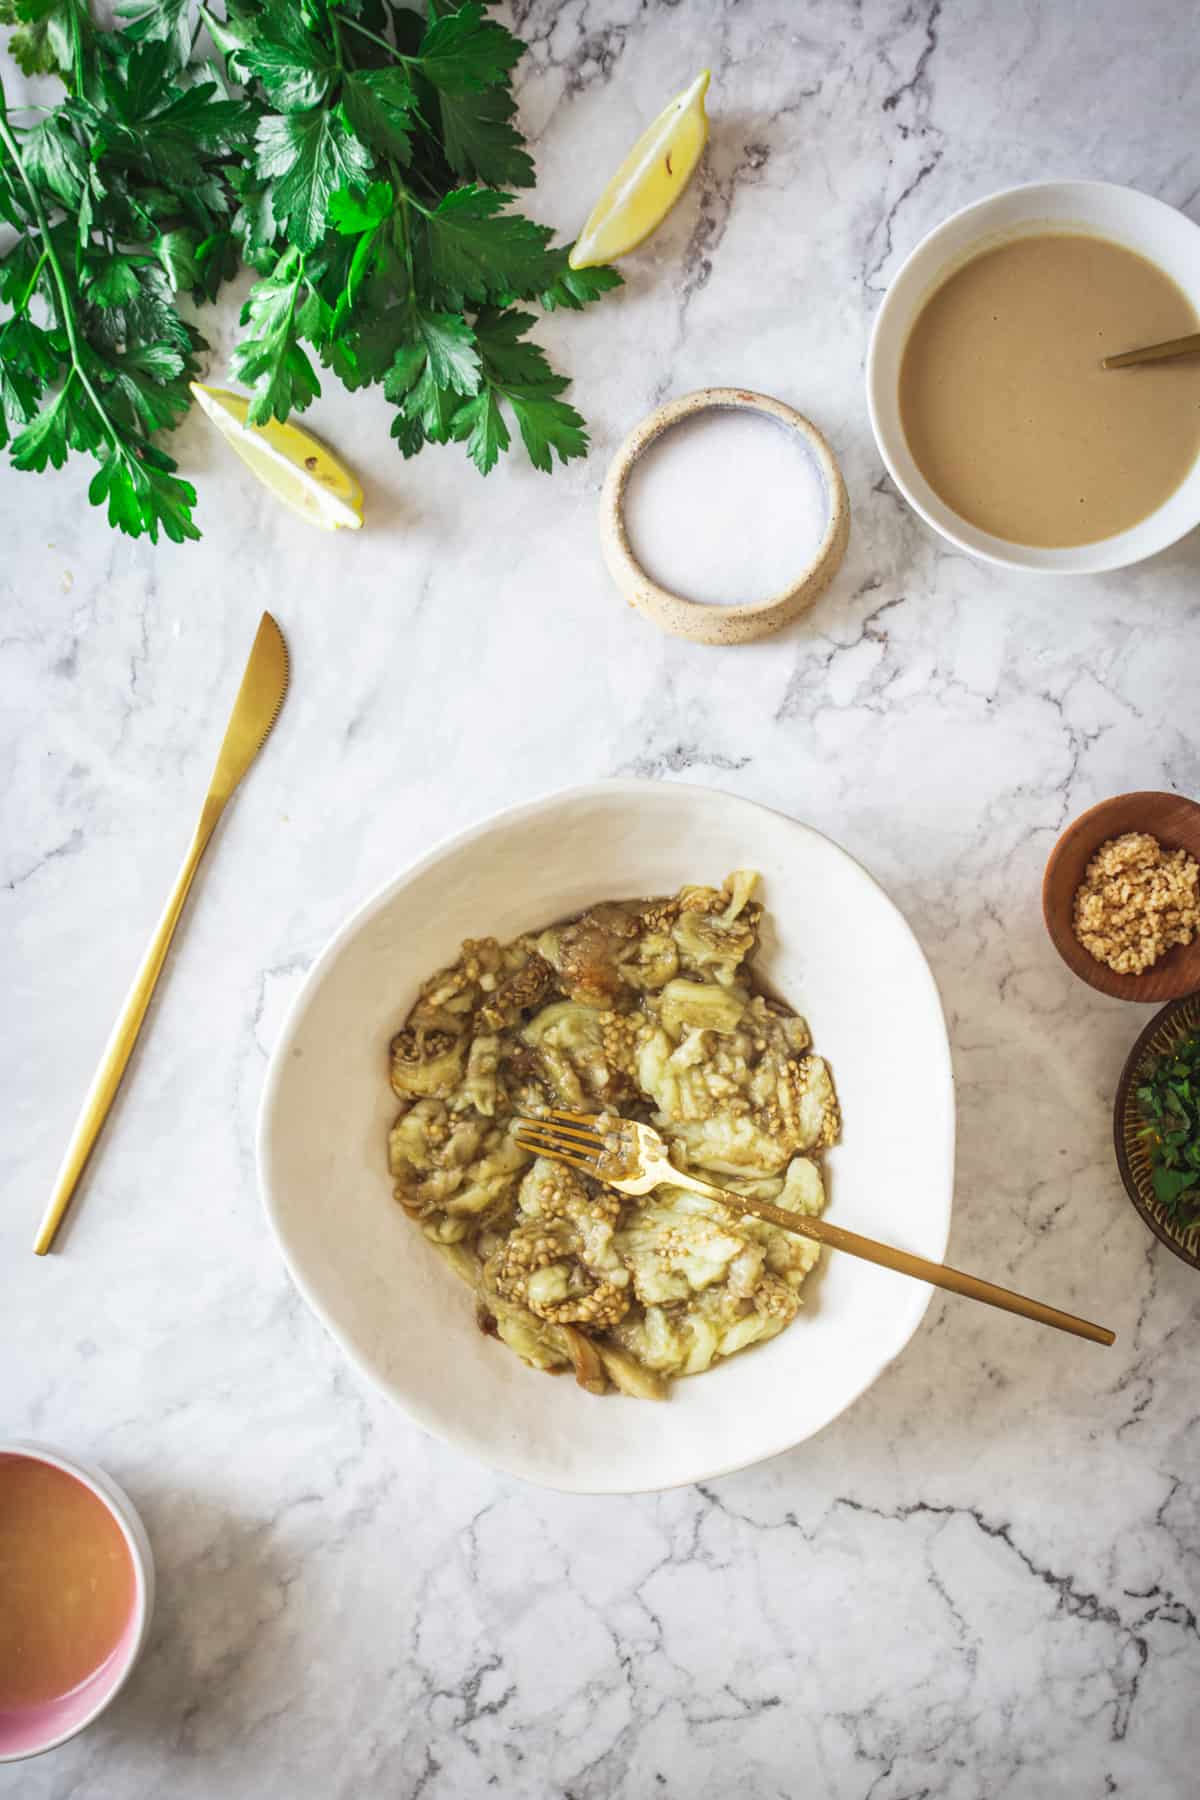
(835, 947)
(1139, 222)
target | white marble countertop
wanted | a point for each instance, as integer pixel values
(981, 1580)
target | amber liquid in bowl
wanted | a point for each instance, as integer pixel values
(67, 1583)
(1010, 417)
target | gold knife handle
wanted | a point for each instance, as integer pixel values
(888, 1257)
(119, 1048)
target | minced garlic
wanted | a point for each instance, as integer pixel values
(1135, 901)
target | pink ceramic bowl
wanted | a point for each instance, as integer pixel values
(27, 1731)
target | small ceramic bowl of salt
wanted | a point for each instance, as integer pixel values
(724, 515)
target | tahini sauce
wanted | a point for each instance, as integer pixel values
(66, 1582)
(1009, 415)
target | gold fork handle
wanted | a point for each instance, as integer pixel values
(119, 1048)
(888, 1257)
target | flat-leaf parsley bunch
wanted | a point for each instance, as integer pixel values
(356, 153)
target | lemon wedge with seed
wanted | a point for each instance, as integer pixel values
(299, 469)
(648, 182)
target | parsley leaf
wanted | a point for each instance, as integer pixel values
(43, 43)
(429, 377)
(307, 156)
(432, 406)
(148, 387)
(254, 223)
(450, 346)
(408, 435)
(55, 159)
(178, 252)
(294, 64)
(464, 51)
(510, 361)
(167, 21)
(44, 440)
(481, 425)
(480, 140)
(519, 372)
(351, 211)
(142, 497)
(577, 288)
(365, 351)
(547, 424)
(147, 315)
(113, 281)
(474, 250)
(407, 365)
(25, 347)
(380, 105)
(272, 363)
(18, 398)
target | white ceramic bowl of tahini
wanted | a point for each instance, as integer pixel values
(835, 947)
(1137, 221)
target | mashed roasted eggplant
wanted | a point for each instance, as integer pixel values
(646, 1008)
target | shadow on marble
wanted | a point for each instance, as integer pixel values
(214, 1667)
(1181, 559)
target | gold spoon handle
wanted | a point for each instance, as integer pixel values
(888, 1257)
(119, 1049)
(1181, 346)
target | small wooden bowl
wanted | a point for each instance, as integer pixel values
(1175, 822)
(1179, 1019)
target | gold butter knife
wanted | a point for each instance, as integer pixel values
(254, 712)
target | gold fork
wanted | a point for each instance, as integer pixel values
(255, 710)
(633, 1159)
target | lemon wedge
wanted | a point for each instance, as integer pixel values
(648, 182)
(297, 467)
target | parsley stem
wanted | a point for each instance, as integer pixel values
(76, 48)
(66, 309)
(27, 296)
(375, 38)
(404, 197)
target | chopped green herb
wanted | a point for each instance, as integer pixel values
(1168, 1099)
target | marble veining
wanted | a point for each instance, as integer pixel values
(982, 1580)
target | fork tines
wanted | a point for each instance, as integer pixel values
(565, 1136)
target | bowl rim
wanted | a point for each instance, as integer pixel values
(1104, 554)
(127, 1517)
(1149, 1216)
(417, 1414)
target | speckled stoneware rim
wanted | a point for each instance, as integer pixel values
(34, 1731)
(737, 624)
(1175, 1020)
